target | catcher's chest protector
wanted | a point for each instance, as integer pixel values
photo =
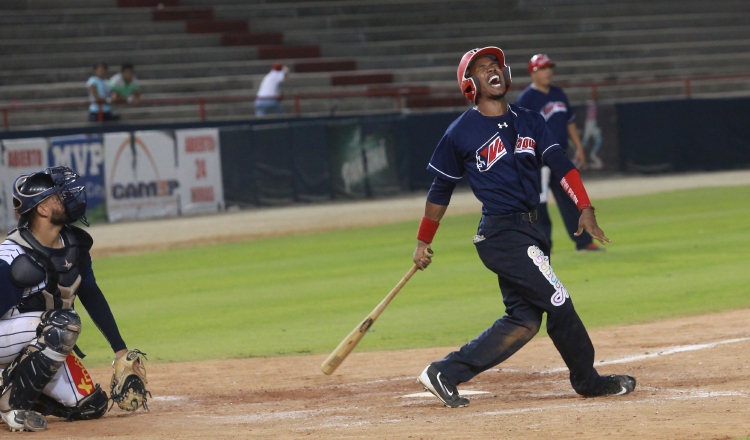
(63, 269)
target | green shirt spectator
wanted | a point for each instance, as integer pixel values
(125, 86)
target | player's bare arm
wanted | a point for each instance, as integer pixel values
(588, 222)
(432, 215)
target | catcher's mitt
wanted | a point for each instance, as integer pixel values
(128, 387)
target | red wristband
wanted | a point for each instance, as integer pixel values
(427, 230)
(573, 186)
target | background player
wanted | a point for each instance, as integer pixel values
(549, 100)
(44, 265)
(500, 148)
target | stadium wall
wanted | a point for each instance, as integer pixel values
(155, 170)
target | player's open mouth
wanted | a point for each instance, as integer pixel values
(494, 81)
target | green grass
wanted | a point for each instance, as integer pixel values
(673, 254)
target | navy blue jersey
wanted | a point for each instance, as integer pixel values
(501, 156)
(553, 106)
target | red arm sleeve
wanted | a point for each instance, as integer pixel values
(573, 186)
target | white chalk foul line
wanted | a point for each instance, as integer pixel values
(676, 395)
(461, 392)
(168, 398)
(663, 352)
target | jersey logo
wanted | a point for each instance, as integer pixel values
(503, 125)
(551, 108)
(490, 152)
(525, 145)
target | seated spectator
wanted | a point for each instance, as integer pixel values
(125, 86)
(99, 95)
(268, 98)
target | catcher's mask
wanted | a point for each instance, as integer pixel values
(470, 85)
(29, 190)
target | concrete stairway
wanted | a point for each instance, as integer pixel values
(190, 48)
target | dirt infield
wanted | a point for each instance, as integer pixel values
(693, 383)
(693, 373)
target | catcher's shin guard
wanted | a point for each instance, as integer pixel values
(31, 371)
(90, 407)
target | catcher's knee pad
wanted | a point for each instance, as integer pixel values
(90, 407)
(58, 332)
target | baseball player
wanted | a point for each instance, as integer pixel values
(44, 266)
(543, 97)
(500, 148)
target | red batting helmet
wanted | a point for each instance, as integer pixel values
(539, 61)
(470, 86)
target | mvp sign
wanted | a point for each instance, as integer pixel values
(85, 155)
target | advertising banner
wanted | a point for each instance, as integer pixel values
(362, 158)
(19, 156)
(84, 154)
(199, 171)
(597, 126)
(141, 175)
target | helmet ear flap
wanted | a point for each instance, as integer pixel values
(508, 79)
(477, 88)
(470, 88)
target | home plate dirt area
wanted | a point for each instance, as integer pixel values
(693, 378)
(693, 372)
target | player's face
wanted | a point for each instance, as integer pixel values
(58, 216)
(543, 76)
(490, 75)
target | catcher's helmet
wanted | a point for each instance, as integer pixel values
(539, 61)
(30, 189)
(470, 85)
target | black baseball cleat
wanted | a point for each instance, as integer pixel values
(433, 381)
(618, 385)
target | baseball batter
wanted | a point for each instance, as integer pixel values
(552, 102)
(44, 266)
(500, 148)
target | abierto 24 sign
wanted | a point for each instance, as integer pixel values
(199, 170)
(18, 156)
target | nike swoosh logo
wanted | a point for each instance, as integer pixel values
(445, 390)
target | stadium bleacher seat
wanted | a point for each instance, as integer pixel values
(191, 48)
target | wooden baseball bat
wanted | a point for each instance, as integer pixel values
(347, 345)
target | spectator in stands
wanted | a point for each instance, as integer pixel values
(99, 95)
(268, 98)
(549, 100)
(125, 86)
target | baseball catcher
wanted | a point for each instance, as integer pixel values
(45, 266)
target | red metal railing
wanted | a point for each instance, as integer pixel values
(396, 92)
